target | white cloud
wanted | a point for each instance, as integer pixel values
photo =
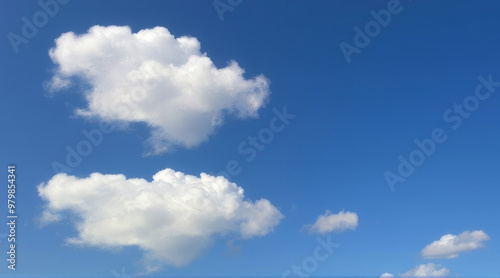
(329, 222)
(449, 246)
(154, 78)
(427, 270)
(386, 275)
(173, 218)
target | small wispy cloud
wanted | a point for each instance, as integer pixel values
(450, 246)
(328, 222)
(427, 270)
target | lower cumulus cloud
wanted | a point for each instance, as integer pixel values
(173, 218)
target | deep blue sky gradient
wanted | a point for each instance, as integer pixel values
(352, 122)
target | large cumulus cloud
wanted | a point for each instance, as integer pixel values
(155, 78)
(173, 218)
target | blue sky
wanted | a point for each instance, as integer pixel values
(352, 122)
